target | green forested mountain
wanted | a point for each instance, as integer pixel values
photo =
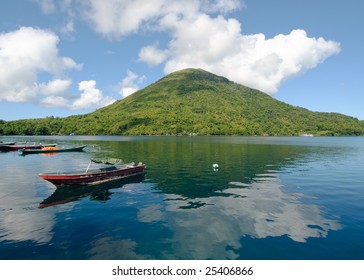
(194, 101)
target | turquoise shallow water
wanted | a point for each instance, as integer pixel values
(270, 198)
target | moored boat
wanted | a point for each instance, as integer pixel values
(17, 147)
(52, 150)
(108, 172)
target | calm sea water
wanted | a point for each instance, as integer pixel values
(270, 198)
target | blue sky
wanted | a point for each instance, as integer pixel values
(68, 57)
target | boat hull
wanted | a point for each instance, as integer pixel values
(7, 148)
(92, 177)
(42, 151)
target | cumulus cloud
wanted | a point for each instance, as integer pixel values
(120, 18)
(129, 84)
(56, 95)
(115, 18)
(90, 96)
(152, 55)
(252, 60)
(55, 87)
(218, 45)
(202, 36)
(26, 53)
(55, 101)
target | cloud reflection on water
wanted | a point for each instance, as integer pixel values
(261, 209)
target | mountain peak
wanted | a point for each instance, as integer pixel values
(196, 74)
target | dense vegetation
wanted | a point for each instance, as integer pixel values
(193, 102)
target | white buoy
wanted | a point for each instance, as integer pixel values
(215, 166)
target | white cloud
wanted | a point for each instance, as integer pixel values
(217, 45)
(47, 6)
(24, 54)
(66, 7)
(28, 52)
(90, 96)
(50, 7)
(220, 6)
(201, 36)
(55, 87)
(54, 101)
(68, 27)
(116, 18)
(152, 55)
(205, 38)
(129, 84)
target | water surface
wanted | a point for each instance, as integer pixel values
(270, 198)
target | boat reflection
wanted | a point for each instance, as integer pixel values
(98, 192)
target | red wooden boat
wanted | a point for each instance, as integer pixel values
(113, 171)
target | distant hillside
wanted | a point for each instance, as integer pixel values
(194, 101)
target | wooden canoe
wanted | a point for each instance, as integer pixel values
(52, 150)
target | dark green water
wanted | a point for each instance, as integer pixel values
(270, 198)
